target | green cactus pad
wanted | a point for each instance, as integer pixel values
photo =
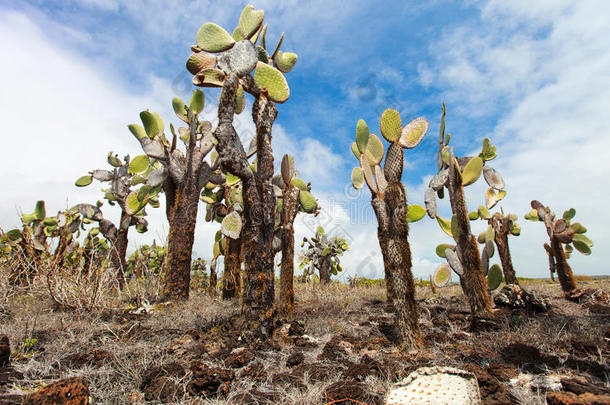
(578, 227)
(482, 237)
(197, 101)
(308, 202)
(14, 235)
(40, 211)
(153, 125)
(250, 21)
(368, 174)
(374, 149)
(445, 225)
(362, 136)
(200, 61)
(440, 249)
(489, 248)
(262, 54)
(357, 178)
(355, 150)
(483, 212)
(240, 100)
(237, 35)
(568, 215)
(441, 276)
(473, 216)
(84, 181)
(516, 230)
(490, 234)
(472, 171)
(179, 108)
(231, 225)
(391, 125)
(277, 47)
(412, 134)
(137, 131)
(270, 80)
(285, 61)
(213, 38)
(287, 168)
(51, 221)
(493, 178)
(415, 213)
(133, 205)
(582, 238)
(494, 277)
(231, 179)
(298, 183)
(209, 78)
(139, 164)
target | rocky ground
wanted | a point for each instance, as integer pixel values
(341, 350)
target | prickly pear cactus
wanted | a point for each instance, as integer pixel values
(322, 253)
(436, 385)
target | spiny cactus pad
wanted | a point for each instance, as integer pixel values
(494, 277)
(412, 134)
(430, 202)
(454, 262)
(439, 180)
(472, 171)
(209, 78)
(199, 61)
(440, 249)
(362, 135)
(493, 178)
(436, 385)
(214, 38)
(391, 125)
(287, 168)
(374, 149)
(139, 164)
(250, 21)
(442, 275)
(83, 181)
(308, 202)
(271, 81)
(298, 183)
(445, 225)
(357, 178)
(355, 150)
(285, 61)
(231, 225)
(415, 213)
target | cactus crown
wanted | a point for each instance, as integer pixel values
(320, 247)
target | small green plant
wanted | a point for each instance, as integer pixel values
(322, 253)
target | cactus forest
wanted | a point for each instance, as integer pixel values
(388, 296)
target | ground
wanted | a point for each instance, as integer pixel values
(341, 349)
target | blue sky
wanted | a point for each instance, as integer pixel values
(533, 76)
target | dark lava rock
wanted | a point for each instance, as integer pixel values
(209, 381)
(333, 350)
(579, 385)
(520, 354)
(347, 392)
(514, 297)
(295, 359)
(96, 358)
(239, 358)
(160, 383)
(502, 371)
(5, 351)
(297, 328)
(71, 391)
(570, 398)
(254, 371)
(592, 367)
(366, 367)
(492, 391)
(255, 397)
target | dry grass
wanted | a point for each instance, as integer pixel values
(44, 336)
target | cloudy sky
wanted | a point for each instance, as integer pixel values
(534, 76)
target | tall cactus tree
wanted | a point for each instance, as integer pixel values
(455, 174)
(561, 232)
(296, 197)
(231, 69)
(124, 178)
(323, 253)
(389, 201)
(182, 176)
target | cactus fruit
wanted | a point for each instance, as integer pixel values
(272, 82)
(436, 385)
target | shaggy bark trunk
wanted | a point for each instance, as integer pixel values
(552, 267)
(473, 281)
(118, 251)
(289, 212)
(213, 279)
(259, 202)
(324, 268)
(501, 240)
(382, 235)
(231, 281)
(563, 269)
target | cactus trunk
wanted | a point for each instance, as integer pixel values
(382, 235)
(231, 280)
(118, 251)
(552, 267)
(259, 203)
(501, 240)
(289, 211)
(473, 282)
(563, 269)
(213, 279)
(324, 268)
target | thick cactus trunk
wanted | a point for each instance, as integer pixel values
(563, 269)
(324, 268)
(383, 226)
(231, 280)
(259, 202)
(118, 251)
(507, 264)
(289, 211)
(213, 279)
(473, 281)
(552, 267)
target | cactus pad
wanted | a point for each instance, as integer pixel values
(213, 38)
(494, 277)
(382, 183)
(355, 150)
(442, 275)
(445, 225)
(199, 61)
(493, 178)
(285, 61)
(569, 214)
(391, 125)
(250, 21)
(440, 249)
(472, 171)
(271, 81)
(394, 163)
(374, 149)
(577, 227)
(368, 174)
(298, 183)
(454, 262)
(439, 180)
(240, 100)
(415, 213)
(102, 175)
(197, 101)
(243, 58)
(231, 225)
(139, 164)
(412, 134)
(582, 247)
(83, 181)
(362, 135)
(133, 205)
(209, 78)
(287, 168)
(357, 178)
(137, 131)
(308, 202)
(430, 202)
(153, 125)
